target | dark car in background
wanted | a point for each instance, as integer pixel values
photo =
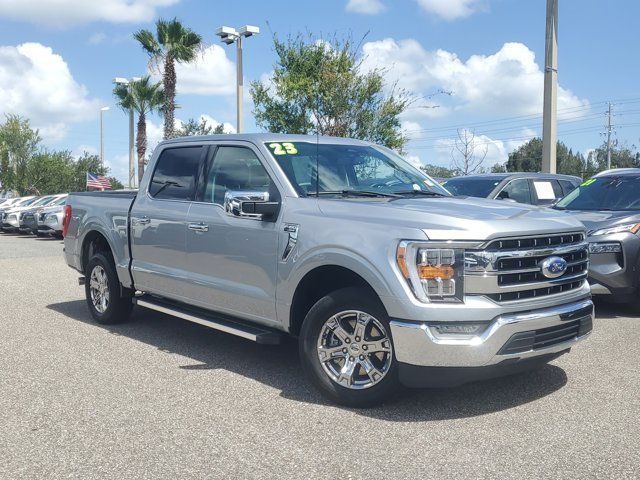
(531, 188)
(609, 206)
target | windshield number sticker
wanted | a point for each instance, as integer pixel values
(588, 182)
(284, 148)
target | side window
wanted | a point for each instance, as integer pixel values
(176, 172)
(235, 168)
(517, 190)
(567, 187)
(546, 191)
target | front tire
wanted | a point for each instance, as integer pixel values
(107, 304)
(346, 349)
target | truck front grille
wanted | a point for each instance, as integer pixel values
(509, 270)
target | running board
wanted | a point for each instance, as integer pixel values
(250, 332)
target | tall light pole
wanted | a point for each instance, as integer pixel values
(102, 110)
(132, 168)
(549, 121)
(229, 35)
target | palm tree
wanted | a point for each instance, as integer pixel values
(144, 97)
(173, 43)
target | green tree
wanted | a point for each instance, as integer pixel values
(322, 87)
(85, 163)
(438, 171)
(49, 172)
(528, 158)
(622, 156)
(144, 97)
(193, 127)
(18, 144)
(173, 43)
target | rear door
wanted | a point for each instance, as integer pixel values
(159, 222)
(233, 260)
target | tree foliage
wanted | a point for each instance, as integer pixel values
(528, 158)
(319, 86)
(468, 153)
(193, 127)
(173, 43)
(27, 168)
(438, 171)
(144, 97)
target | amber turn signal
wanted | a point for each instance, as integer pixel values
(444, 272)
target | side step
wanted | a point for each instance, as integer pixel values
(255, 333)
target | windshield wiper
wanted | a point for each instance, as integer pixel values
(427, 193)
(353, 193)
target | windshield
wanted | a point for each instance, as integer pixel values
(60, 201)
(349, 168)
(27, 202)
(605, 193)
(472, 187)
(42, 201)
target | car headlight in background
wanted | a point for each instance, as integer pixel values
(627, 227)
(434, 274)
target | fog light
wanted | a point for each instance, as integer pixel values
(459, 329)
(611, 247)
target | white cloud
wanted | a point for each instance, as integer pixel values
(211, 74)
(67, 13)
(37, 84)
(413, 160)
(82, 149)
(508, 82)
(452, 9)
(367, 7)
(97, 38)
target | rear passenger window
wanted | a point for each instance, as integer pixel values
(176, 173)
(546, 191)
(567, 186)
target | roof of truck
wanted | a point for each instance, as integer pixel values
(266, 138)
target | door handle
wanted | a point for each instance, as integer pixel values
(198, 227)
(142, 220)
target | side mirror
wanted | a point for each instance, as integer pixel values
(252, 205)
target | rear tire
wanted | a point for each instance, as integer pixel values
(107, 302)
(349, 329)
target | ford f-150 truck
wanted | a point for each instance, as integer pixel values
(384, 278)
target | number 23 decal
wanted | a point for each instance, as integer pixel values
(284, 148)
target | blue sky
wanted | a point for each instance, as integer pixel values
(57, 60)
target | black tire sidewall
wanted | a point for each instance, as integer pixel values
(326, 307)
(119, 307)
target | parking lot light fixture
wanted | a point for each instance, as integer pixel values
(229, 35)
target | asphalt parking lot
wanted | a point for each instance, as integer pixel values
(163, 398)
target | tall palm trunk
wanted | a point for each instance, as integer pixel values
(141, 143)
(169, 81)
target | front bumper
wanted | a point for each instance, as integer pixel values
(509, 337)
(615, 274)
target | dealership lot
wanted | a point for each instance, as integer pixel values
(160, 397)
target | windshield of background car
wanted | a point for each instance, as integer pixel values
(605, 193)
(60, 201)
(26, 203)
(42, 201)
(348, 167)
(472, 187)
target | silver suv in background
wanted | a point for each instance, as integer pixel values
(384, 278)
(533, 188)
(609, 206)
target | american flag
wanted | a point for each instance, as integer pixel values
(98, 181)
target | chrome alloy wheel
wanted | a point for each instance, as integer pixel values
(99, 288)
(354, 349)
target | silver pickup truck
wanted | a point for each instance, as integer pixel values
(385, 279)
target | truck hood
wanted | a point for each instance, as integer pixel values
(454, 218)
(595, 220)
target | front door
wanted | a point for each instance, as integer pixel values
(159, 223)
(232, 260)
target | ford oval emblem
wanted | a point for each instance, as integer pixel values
(553, 267)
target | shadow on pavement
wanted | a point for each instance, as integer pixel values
(279, 367)
(609, 311)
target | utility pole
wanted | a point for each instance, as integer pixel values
(549, 122)
(102, 110)
(609, 128)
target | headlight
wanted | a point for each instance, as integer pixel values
(434, 274)
(627, 227)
